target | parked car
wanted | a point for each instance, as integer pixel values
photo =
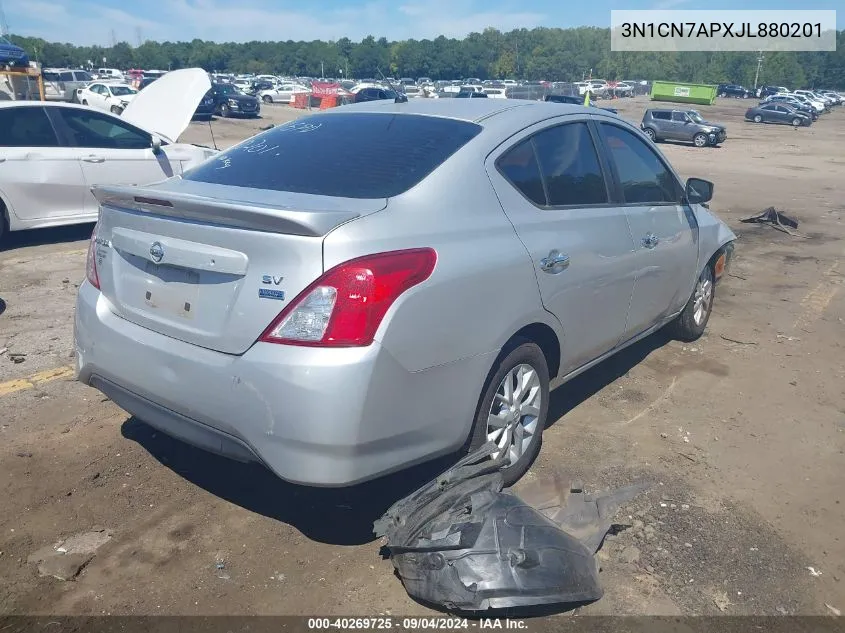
(733, 90)
(206, 108)
(798, 104)
(778, 113)
(819, 106)
(837, 98)
(414, 92)
(146, 81)
(471, 94)
(573, 100)
(767, 91)
(682, 125)
(106, 96)
(374, 94)
(110, 73)
(282, 93)
(61, 84)
(814, 96)
(496, 93)
(229, 101)
(12, 54)
(53, 153)
(339, 324)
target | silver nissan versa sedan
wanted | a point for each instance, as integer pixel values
(338, 311)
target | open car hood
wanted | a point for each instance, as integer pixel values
(166, 106)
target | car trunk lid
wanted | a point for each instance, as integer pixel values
(212, 269)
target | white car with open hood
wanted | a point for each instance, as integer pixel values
(51, 154)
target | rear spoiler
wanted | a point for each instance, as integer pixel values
(242, 215)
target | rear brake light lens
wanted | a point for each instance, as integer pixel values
(346, 305)
(91, 261)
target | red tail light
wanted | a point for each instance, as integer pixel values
(91, 261)
(346, 305)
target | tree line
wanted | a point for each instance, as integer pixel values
(542, 53)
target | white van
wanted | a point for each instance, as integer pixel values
(110, 73)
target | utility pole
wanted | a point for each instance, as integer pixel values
(322, 71)
(759, 66)
(113, 39)
(4, 26)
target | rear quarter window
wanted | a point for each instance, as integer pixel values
(348, 155)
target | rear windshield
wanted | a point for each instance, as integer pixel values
(349, 155)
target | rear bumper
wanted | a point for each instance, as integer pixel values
(317, 417)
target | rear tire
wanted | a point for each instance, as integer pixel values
(4, 223)
(267, 99)
(758, 118)
(513, 407)
(651, 134)
(690, 324)
(116, 110)
(85, 102)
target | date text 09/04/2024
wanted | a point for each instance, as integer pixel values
(720, 29)
(413, 623)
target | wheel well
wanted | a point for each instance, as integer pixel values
(4, 215)
(546, 340)
(725, 249)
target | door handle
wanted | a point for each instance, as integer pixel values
(94, 159)
(556, 262)
(650, 240)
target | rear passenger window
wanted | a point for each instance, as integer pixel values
(66, 76)
(519, 166)
(570, 166)
(26, 126)
(643, 176)
(662, 116)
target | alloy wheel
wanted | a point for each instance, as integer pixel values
(514, 414)
(701, 299)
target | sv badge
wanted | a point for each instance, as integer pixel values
(271, 279)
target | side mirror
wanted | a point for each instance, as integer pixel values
(156, 145)
(699, 191)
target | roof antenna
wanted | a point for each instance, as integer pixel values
(400, 97)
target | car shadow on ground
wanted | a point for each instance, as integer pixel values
(687, 144)
(340, 516)
(344, 516)
(41, 237)
(586, 385)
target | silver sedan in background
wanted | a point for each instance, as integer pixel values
(413, 293)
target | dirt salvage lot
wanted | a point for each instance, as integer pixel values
(743, 434)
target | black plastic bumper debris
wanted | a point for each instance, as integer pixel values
(463, 544)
